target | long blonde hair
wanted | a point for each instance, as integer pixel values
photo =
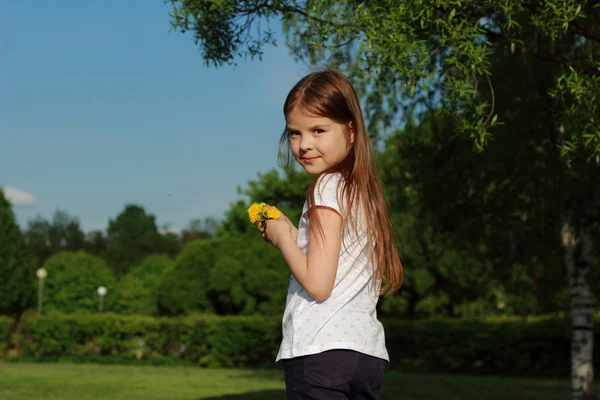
(330, 94)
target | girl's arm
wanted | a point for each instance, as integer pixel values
(294, 232)
(316, 271)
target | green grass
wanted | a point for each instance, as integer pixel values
(26, 381)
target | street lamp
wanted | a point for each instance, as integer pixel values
(41, 274)
(101, 293)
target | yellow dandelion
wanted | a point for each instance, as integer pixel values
(259, 212)
(254, 213)
(273, 213)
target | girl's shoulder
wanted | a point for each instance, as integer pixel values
(327, 191)
(330, 180)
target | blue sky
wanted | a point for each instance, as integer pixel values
(101, 104)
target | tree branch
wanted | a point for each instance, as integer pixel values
(561, 60)
(574, 28)
(495, 36)
(283, 10)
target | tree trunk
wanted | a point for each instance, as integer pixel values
(577, 249)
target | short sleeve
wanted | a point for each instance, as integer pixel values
(327, 192)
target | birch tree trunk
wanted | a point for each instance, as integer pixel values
(577, 248)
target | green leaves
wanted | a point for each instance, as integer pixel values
(222, 27)
(132, 236)
(399, 52)
(73, 280)
(578, 96)
(554, 17)
(285, 191)
(17, 271)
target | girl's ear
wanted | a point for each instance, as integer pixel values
(351, 127)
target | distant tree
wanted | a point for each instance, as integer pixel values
(46, 238)
(286, 190)
(96, 243)
(132, 236)
(17, 271)
(199, 229)
(37, 236)
(169, 244)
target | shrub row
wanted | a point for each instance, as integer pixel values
(512, 346)
(535, 347)
(205, 340)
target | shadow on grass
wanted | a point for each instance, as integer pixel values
(273, 394)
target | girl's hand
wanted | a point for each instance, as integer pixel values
(273, 230)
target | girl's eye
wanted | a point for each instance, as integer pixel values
(319, 131)
(294, 133)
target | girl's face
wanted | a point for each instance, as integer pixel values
(317, 143)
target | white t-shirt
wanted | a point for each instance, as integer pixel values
(348, 318)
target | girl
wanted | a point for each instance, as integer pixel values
(342, 255)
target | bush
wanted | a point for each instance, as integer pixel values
(6, 324)
(73, 280)
(132, 297)
(242, 341)
(183, 287)
(137, 291)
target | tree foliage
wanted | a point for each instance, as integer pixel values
(45, 238)
(183, 289)
(137, 291)
(398, 52)
(224, 275)
(73, 280)
(199, 229)
(17, 271)
(132, 236)
(475, 243)
(284, 189)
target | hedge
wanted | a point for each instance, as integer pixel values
(535, 347)
(206, 340)
(511, 346)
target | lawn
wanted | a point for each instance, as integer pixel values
(26, 381)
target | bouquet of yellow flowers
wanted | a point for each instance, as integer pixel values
(260, 212)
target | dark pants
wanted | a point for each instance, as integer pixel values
(334, 374)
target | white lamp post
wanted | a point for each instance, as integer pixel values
(41, 274)
(101, 293)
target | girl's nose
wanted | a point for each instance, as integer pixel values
(305, 143)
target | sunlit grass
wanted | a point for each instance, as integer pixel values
(26, 381)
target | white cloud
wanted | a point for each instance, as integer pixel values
(18, 197)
